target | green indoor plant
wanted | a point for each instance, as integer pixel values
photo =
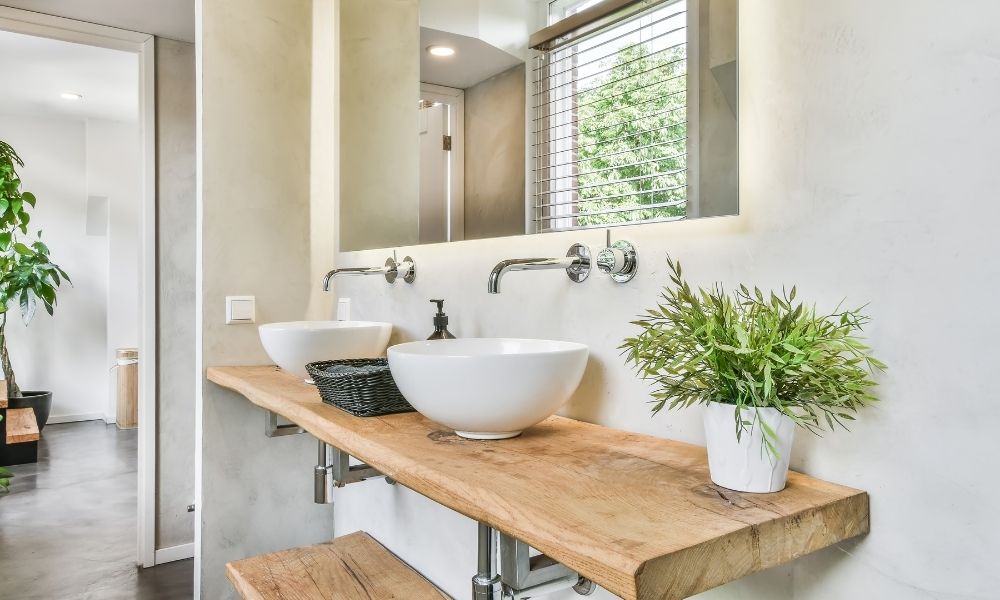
(27, 274)
(761, 363)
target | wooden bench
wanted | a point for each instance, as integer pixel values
(350, 567)
(18, 436)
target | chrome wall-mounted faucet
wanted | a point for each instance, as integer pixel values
(391, 270)
(576, 264)
(617, 260)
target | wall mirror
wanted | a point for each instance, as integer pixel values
(469, 119)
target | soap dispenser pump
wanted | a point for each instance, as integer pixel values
(440, 323)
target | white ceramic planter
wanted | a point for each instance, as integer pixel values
(745, 465)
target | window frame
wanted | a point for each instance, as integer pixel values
(692, 57)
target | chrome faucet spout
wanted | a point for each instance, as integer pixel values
(404, 270)
(526, 264)
(352, 271)
(576, 263)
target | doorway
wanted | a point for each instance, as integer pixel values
(98, 176)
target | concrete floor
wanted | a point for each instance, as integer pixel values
(68, 524)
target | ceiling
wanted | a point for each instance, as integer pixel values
(36, 70)
(172, 19)
(474, 60)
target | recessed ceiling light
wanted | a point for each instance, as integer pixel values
(441, 50)
(71, 96)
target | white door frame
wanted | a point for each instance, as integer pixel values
(142, 44)
(455, 99)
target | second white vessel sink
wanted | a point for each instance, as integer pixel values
(487, 388)
(293, 344)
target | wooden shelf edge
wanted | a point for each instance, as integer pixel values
(683, 574)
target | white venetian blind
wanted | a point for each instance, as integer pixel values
(610, 124)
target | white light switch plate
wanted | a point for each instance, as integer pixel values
(240, 310)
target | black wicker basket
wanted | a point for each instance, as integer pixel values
(361, 394)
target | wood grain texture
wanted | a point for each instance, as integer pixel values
(127, 405)
(21, 425)
(351, 567)
(636, 514)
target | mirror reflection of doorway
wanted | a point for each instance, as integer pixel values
(442, 164)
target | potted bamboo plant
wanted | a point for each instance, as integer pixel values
(28, 277)
(761, 364)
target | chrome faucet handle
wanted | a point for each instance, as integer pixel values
(618, 260)
(405, 269)
(408, 270)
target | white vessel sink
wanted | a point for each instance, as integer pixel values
(293, 344)
(487, 388)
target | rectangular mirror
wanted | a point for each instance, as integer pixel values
(469, 119)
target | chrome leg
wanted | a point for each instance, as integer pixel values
(323, 475)
(486, 582)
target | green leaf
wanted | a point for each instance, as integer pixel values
(5, 238)
(28, 305)
(791, 348)
(23, 250)
(29, 198)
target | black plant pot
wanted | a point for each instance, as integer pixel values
(40, 402)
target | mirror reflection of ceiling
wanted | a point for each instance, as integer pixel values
(473, 61)
(43, 69)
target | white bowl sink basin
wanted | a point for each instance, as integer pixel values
(487, 388)
(293, 344)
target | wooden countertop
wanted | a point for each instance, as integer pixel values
(636, 514)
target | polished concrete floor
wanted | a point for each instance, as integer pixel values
(68, 524)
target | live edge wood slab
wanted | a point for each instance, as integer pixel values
(638, 515)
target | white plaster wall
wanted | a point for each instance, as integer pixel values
(64, 353)
(868, 147)
(113, 173)
(175, 222)
(254, 65)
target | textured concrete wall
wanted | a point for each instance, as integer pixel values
(254, 117)
(864, 126)
(175, 291)
(494, 156)
(379, 130)
(718, 126)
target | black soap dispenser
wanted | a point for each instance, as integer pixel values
(441, 323)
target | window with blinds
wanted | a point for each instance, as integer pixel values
(611, 122)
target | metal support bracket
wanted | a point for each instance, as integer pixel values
(272, 429)
(525, 576)
(334, 470)
(345, 473)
